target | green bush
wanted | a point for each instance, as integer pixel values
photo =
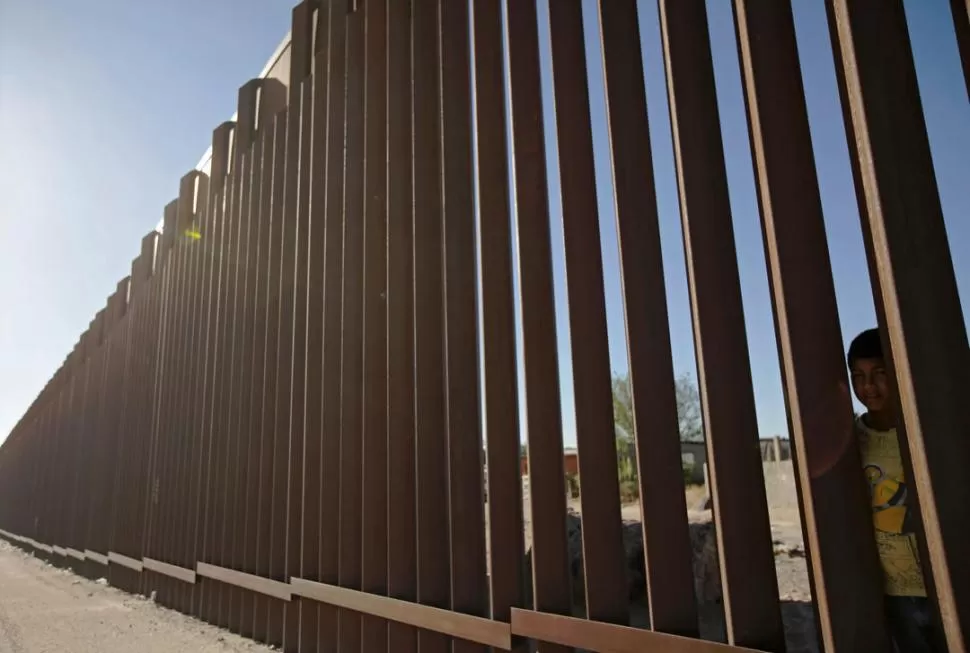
(688, 473)
(572, 485)
(629, 491)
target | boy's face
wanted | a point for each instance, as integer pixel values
(870, 383)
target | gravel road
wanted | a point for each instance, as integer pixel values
(44, 609)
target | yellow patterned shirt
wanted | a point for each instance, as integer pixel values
(891, 517)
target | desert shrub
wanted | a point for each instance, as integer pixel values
(688, 473)
(629, 491)
(572, 485)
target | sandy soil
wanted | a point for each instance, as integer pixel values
(791, 570)
(44, 609)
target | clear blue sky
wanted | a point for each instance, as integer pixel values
(102, 109)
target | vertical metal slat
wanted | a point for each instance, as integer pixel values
(914, 283)
(748, 579)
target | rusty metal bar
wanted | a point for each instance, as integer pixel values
(270, 296)
(143, 325)
(914, 283)
(151, 500)
(122, 464)
(68, 434)
(227, 597)
(283, 369)
(606, 591)
(251, 100)
(748, 580)
(669, 576)
(504, 479)
(374, 498)
(78, 456)
(157, 533)
(270, 406)
(221, 592)
(98, 443)
(301, 113)
(594, 635)
(89, 447)
(184, 381)
(469, 587)
(166, 569)
(101, 445)
(333, 301)
(157, 336)
(119, 391)
(241, 602)
(68, 483)
(208, 266)
(124, 482)
(87, 476)
(257, 584)
(153, 334)
(214, 385)
(99, 439)
(547, 483)
(847, 581)
(180, 379)
(53, 501)
(216, 235)
(462, 627)
(401, 513)
(169, 417)
(262, 380)
(47, 528)
(157, 395)
(251, 357)
(351, 367)
(173, 431)
(431, 477)
(315, 243)
(44, 445)
(189, 186)
(197, 361)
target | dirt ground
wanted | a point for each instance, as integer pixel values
(791, 569)
(47, 609)
(44, 609)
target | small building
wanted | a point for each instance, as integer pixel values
(693, 456)
(570, 460)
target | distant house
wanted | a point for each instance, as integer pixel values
(693, 457)
(570, 460)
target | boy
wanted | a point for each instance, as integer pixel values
(907, 607)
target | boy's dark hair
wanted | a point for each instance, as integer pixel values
(866, 345)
